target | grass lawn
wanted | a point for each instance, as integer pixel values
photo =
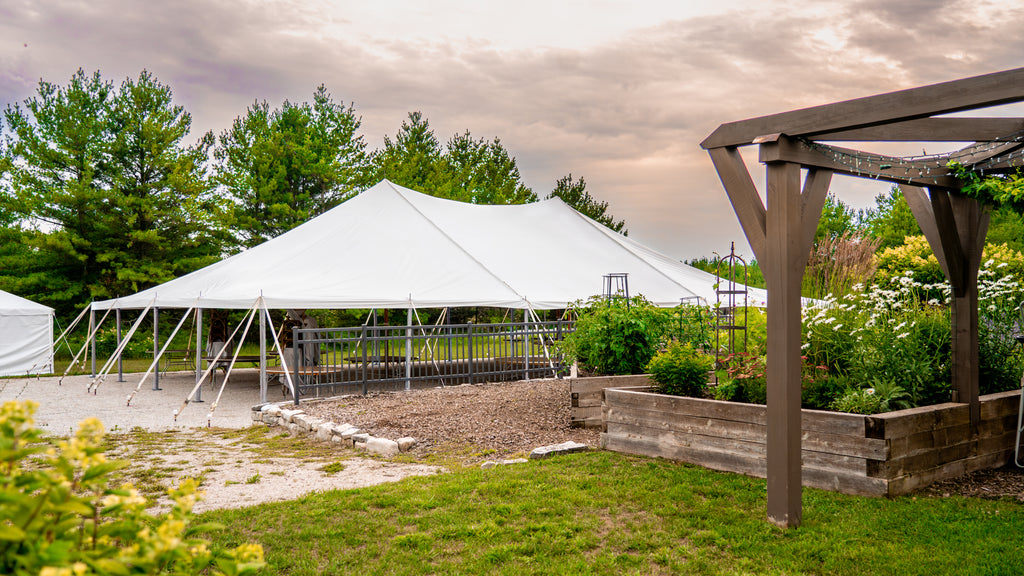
(607, 513)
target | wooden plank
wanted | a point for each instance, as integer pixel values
(824, 478)
(925, 461)
(943, 98)
(598, 383)
(871, 448)
(834, 422)
(974, 129)
(834, 462)
(811, 420)
(857, 163)
(699, 407)
(714, 443)
(922, 478)
(672, 421)
(906, 422)
(997, 425)
(743, 196)
(847, 483)
(927, 440)
(723, 461)
(1000, 404)
(576, 401)
(998, 444)
(656, 421)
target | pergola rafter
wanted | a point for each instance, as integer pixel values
(780, 231)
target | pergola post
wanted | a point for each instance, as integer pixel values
(783, 274)
(781, 235)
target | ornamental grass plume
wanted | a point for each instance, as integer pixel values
(837, 263)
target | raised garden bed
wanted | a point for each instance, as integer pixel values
(880, 455)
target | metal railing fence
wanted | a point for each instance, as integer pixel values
(331, 361)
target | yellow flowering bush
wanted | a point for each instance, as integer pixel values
(60, 517)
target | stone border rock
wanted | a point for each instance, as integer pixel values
(298, 422)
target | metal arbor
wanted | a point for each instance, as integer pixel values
(780, 230)
(731, 293)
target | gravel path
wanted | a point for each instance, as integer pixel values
(63, 406)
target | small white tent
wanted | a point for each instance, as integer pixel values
(26, 336)
(392, 247)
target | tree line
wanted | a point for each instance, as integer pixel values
(102, 194)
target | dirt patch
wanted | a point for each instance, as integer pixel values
(471, 423)
(245, 468)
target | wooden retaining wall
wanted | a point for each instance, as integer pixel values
(881, 455)
(587, 396)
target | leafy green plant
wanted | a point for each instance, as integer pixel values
(618, 336)
(60, 516)
(883, 397)
(745, 379)
(680, 370)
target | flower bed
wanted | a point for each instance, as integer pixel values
(878, 455)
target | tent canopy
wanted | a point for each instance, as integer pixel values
(392, 247)
(26, 336)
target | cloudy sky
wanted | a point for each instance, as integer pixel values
(618, 92)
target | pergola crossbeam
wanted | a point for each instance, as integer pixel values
(931, 130)
(945, 98)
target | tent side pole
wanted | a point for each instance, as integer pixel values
(156, 347)
(526, 343)
(120, 357)
(199, 354)
(263, 352)
(92, 331)
(408, 348)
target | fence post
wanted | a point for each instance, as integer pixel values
(362, 343)
(469, 333)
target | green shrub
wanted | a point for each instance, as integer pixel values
(60, 516)
(680, 370)
(616, 337)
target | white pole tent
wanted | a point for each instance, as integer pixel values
(392, 247)
(26, 336)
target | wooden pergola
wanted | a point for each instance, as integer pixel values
(781, 230)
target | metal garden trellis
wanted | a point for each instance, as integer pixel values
(781, 229)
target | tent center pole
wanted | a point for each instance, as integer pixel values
(199, 354)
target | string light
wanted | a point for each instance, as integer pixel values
(932, 167)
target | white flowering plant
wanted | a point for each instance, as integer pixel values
(896, 336)
(61, 517)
